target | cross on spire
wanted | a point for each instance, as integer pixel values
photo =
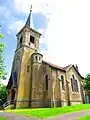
(31, 8)
(28, 22)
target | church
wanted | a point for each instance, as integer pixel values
(37, 83)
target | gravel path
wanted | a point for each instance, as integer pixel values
(12, 116)
(68, 116)
(71, 116)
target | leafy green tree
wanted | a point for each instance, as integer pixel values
(3, 94)
(2, 67)
(1, 35)
(86, 82)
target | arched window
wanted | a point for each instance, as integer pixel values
(32, 39)
(36, 58)
(39, 58)
(62, 80)
(46, 82)
(28, 68)
(21, 39)
(74, 84)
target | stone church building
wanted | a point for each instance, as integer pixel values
(37, 83)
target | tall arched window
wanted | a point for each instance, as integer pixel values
(21, 39)
(62, 80)
(46, 82)
(36, 57)
(74, 84)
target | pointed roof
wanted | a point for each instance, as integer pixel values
(28, 20)
(66, 67)
(28, 23)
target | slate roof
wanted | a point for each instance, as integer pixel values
(28, 20)
(56, 66)
(64, 69)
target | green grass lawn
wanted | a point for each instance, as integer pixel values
(47, 112)
(85, 118)
(1, 118)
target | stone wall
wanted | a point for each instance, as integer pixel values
(74, 96)
(24, 80)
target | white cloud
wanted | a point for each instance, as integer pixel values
(24, 5)
(68, 34)
(68, 31)
(16, 25)
(43, 38)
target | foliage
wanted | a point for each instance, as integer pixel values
(86, 82)
(3, 94)
(1, 35)
(47, 112)
(2, 67)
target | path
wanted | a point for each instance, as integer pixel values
(68, 116)
(71, 116)
(12, 116)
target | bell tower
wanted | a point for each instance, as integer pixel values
(27, 44)
(28, 37)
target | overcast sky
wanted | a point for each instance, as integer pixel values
(64, 24)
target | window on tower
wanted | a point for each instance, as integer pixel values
(21, 39)
(36, 58)
(32, 39)
(39, 58)
(28, 68)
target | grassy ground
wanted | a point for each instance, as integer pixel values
(1, 118)
(47, 112)
(85, 118)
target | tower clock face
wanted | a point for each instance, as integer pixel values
(32, 45)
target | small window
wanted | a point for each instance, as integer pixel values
(76, 86)
(21, 39)
(36, 58)
(73, 77)
(32, 39)
(72, 84)
(39, 59)
(46, 81)
(28, 68)
(62, 80)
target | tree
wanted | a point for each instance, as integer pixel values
(86, 82)
(2, 67)
(3, 94)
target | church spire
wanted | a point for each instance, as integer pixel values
(28, 22)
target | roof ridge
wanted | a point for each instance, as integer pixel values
(57, 66)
